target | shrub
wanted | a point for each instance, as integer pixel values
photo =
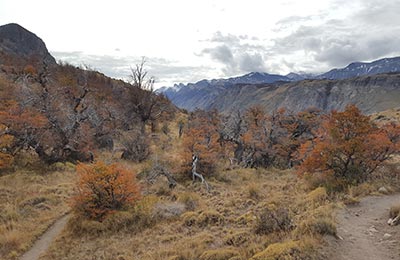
(190, 218)
(349, 147)
(273, 220)
(236, 239)
(319, 225)
(104, 189)
(136, 146)
(254, 192)
(210, 217)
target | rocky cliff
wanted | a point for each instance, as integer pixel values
(370, 93)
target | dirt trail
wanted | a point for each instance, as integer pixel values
(365, 232)
(43, 243)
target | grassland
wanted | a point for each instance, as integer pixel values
(248, 213)
(30, 201)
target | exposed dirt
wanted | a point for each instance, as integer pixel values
(365, 232)
(43, 243)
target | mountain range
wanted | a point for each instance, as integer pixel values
(207, 94)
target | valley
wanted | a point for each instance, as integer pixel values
(257, 167)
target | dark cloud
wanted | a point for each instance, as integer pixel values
(237, 53)
(251, 62)
(221, 53)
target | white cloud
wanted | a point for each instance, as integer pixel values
(192, 40)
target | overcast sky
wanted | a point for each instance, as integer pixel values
(188, 40)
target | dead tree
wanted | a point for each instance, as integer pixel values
(195, 174)
(159, 170)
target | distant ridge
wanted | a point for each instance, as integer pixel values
(356, 69)
(204, 93)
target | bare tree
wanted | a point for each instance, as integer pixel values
(143, 101)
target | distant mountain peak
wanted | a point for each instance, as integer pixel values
(355, 69)
(17, 41)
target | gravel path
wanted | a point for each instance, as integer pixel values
(365, 232)
(43, 243)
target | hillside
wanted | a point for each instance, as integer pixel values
(69, 111)
(370, 93)
(201, 94)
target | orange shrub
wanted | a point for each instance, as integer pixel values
(349, 147)
(104, 189)
(202, 139)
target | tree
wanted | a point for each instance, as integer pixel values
(104, 189)
(349, 147)
(201, 139)
(143, 101)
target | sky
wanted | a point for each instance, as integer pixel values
(187, 40)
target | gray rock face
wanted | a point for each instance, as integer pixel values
(206, 94)
(370, 93)
(202, 94)
(17, 41)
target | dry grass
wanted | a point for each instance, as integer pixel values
(29, 203)
(189, 223)
(220, 224)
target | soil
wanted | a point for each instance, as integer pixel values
(364, 233)
(43, 243)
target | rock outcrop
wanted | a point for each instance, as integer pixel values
(18, 42)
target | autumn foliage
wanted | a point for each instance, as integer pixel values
(202, 139)
(348, 147)
(104, 189)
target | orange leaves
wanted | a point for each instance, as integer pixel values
(104, 189)
(14, 116)
(201, 139)
(348, 145)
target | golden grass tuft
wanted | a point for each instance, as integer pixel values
(237, 238)
(317, 196)
(220, 254)
(289, 250)
(394, 211)
(210, 218)
(190, 199)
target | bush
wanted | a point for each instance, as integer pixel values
(136, 146)
(210, 217)
(349, 148)
(104, 189)
(273, 220)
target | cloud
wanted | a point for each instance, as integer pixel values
(237, 53)
(368, 33)
(166, 72)
(221, 53)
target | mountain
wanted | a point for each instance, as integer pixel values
(16, 41)
(363, 68)
(370, 93)
(206, 93)
(201, 94)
